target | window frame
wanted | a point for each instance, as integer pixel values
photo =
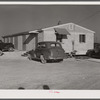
(60, 37)
(82, 38)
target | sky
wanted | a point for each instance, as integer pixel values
(20, 18)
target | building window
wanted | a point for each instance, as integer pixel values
(60, 37)
(82, 38)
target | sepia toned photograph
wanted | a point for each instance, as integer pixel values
(50, 47)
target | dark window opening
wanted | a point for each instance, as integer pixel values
(82, 38)
(59, 37)
(55, 45)
(41, 46)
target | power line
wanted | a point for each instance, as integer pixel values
(88, 17)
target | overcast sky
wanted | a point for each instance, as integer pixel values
(14, 19)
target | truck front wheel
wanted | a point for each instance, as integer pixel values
(43, 60)
(11, 49)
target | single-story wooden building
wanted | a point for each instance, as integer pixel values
(70, 35)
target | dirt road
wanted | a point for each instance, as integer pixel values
(17, 71)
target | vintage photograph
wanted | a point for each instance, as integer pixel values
(50, 47)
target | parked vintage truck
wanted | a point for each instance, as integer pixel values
(47, 50)
(6, 46)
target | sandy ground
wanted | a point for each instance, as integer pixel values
(78, 74)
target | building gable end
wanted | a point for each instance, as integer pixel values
(82, 29)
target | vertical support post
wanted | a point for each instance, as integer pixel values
(73, 45)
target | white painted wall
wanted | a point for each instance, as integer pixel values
(20, 45)
(67, 44)
(49, 35)
(82, 48)
(40, 37)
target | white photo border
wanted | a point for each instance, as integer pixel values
(51, 94)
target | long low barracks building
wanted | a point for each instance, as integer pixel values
(70, 35)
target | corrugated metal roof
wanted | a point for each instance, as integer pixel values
(21, 33)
